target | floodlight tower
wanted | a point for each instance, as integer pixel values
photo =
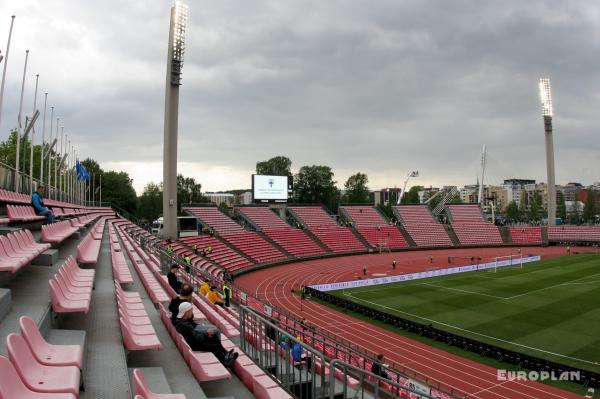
(179, 13)
(546, 98)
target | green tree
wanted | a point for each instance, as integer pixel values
(512, 211)
(315, 185)
(536, 209)
(224, 208)
(412, 195)
(575, 214)
(150, 202)
(117, 188)
(561, 206)
(276, 166)
(589, 209)
(189, 191)
(357, 191)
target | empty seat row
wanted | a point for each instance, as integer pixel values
(312, 216)
(262, 217)
(22, 213)
(221, 253)
(294, 241)
(526, 235)
(338, 239)
(71, 288)
(120, 269)
(363, 216)
(18, 249)
(383, 236)
(141, 389)
(421, 226)
(136, 327)
(58, 232)
(215, 219)
(254, 246)
(574, 233)
(88, 249)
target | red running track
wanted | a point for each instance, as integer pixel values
(475, 379)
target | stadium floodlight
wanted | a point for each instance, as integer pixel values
(176, 50)
(546, 97)
(409, 175)
(547, 112)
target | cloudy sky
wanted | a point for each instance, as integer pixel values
(378, 86)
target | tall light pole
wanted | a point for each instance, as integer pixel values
(43, 140)
(12, 21)
(50, 146)
(546, 99)
(20, 125)
(179, 12)
(37, 78)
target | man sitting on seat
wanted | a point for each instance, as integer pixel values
(214, 297)
(37, 201)
(185, 295)
(200, 338)
(172, 278)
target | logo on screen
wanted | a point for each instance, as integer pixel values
(271, 182)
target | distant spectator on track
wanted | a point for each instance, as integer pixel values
(394, 264)
(172, 278)
(364, 270)
(377, 367)
(214, 297)
(37, 201)
(184, 296)
(431, 259)
(568, 250)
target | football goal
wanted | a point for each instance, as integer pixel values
(507, 262)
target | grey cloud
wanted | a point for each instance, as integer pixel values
(373, 86)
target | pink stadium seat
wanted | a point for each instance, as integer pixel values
(140, 387)
(256, 247)
(470, 226)
(136, 342)
(215, 219)
(17, 250)
(12, 387)
(422, 227)
(22, 213)
(526, 235)
(38, 377)
(62, 304)
(574, 233)
(57, 232)
(364, 216)
(48, 354)
(88, 249)
(221, 253)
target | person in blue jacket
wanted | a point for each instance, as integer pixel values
(37, 201)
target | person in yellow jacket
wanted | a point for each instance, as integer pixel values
(214, 297)
(204, 288)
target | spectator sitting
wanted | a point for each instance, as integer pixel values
(172, 277)
(377, 369)
(214, 297)
(184, 296)
(204, 288)
(37, 201)
(200, 338)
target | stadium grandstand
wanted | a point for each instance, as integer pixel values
(267, 294)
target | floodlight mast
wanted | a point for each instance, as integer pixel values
(176, 50)
(546, 100)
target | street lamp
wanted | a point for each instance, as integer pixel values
(20, 125)
(546, 100)
(176, 50)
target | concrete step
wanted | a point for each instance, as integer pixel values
(5, 302)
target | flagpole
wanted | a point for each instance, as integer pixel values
(32, 142)
(19, 126)
(50, 147)
(43, 140)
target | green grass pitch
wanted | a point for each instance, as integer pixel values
(549, 309)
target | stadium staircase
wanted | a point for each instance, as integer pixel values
(506, 235)
(452, 234)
